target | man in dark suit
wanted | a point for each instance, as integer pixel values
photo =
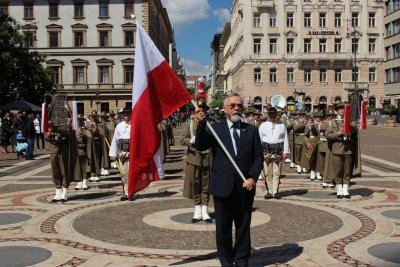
(233, 198)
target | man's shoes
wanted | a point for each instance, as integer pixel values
(197, 214)
(204, 214)
(277, 196)
(195, 220)
(123, 198)
(78, 186)
(268, 196)
(324, 185)
(84, 184)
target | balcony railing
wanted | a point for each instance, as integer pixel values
(324, 56)
(265, 3)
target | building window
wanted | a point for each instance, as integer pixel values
(290, 46)
(371, 20)
(80, 107)
(338, 45)
(256, 20)
(372, 74)
(78, 10)
(79, 75)
(128, 74)
(289, 19)
(372, 45)
(53, 10)
(322, 45)
(78, 39)
(257, 75)
(104, 74)
(129, 40)
(354, 76)
(354, 19)
(307, 45)
(104, 107)
(338, 75)
(3, 8)
(28, 11)
(104, 39)
(322, 20)
(307, 75)
(272, 75)
(273, 49)
(29, 39)
(103, 9)
(322, 75)
(129, 9)
(54, 74)
(307, 20)
(257, 45)
(354, 45)
(54, 39)
(338, 20)
(272, 21)
(290, 75)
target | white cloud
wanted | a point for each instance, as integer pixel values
(223, 15)
(183, 13)
(195, 68)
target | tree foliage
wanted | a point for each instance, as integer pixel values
(22, 74)
(217, 103)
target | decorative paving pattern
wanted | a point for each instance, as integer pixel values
(11, 218)
(75, 261)
(337, 248)
(380, 207)
(393, 214)
(386, 251)
(23, 255)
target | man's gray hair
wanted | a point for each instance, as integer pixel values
(231, 95)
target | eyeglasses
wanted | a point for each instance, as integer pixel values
(233, 105)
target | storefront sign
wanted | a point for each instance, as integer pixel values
(323, 33)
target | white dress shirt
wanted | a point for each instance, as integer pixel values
(274, 133)
(231, 129)
(122, 131)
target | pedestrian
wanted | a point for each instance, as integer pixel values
(233, 198)
(5, 133)
(39, 134)
(29, 133)
(275, 142)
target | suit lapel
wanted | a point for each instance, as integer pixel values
(243, 133)
(226, 138)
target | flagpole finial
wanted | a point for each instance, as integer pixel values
(133, 17)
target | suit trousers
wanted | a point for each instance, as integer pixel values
(237, 209)
(343, 168)
(272, 173)
(297, 153)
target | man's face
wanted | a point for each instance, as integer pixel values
(272, 116)
(317, 119)
(127, 117)
(340, 112)
(233, 107)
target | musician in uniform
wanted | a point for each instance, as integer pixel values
(110, 126)
(83, 171)
(329, 171)
(102, 128)
(298, 128)
(94, 148)
(291, 136)
(311, 139)
(197, 171)
(275, 142)
(322, 148)
(342, 152)
(120, 146)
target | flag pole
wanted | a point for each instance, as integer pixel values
(222, 146)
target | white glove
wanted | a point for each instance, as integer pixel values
(193, 139)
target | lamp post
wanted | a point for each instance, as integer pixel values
(354, 99)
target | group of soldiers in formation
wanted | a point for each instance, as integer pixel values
(313, 143)
(100, 143)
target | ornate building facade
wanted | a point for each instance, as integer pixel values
(316, 50)
(90, 45)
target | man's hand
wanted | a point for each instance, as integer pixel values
(200, 115)
(339, 133)
(250, 184)
(113, 158)
(285, 155)
(308, 145)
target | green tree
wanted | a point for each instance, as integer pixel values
(217, 103)
(22, 74)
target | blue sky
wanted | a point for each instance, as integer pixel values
(195, 23)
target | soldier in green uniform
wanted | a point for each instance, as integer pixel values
(342, 152)
(311, 139)
(299, 128)
(291, 136)
(196, 173)
(322, 150)
(82, 173)
(94, 148)
(329, 171)
(103, 131)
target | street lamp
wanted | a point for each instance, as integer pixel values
(354, 99)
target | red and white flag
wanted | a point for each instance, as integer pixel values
(45, 118)
(74, 115)
(157, 93)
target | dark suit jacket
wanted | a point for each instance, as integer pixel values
(223, 176)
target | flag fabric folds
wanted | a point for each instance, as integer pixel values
(157, 93)
(74, 115)
(45, 118)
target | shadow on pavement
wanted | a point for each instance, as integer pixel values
(260, 257)
(172, 177)
(92, 196)
(295, 192)
(364, 192)
(173, 171)
(157, 194)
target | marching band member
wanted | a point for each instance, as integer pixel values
(329, 171)
(299, 127)
(120, 146)
(311, 139)
(83, 171)
(274, 138)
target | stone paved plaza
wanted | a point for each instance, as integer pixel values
(307, 227)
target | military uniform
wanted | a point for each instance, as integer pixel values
(197, 173)
(342, 151)
(299, 128)
(329, 171)
(94, 149)
(311, 139)
(82, 173)
(104, 133)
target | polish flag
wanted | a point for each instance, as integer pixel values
(74, 115)
(44, 127)
(157, 93)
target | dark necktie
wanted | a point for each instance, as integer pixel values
(236, 136)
